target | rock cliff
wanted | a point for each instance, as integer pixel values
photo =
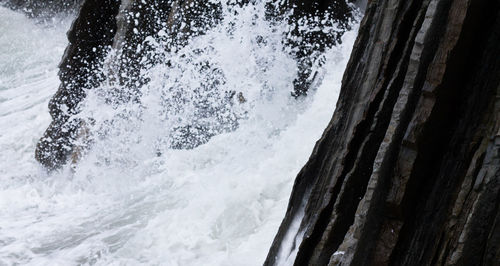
(408, 170)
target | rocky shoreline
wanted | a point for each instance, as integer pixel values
(408, 170)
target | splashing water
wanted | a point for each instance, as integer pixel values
(133, 199)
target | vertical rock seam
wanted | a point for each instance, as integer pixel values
(408, 170)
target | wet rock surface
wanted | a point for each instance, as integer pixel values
(90, 37)
(107, 43)
(43, 9)
(103, 27)
(408, 170)
(310, 45)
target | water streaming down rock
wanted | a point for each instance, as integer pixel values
(118, 52)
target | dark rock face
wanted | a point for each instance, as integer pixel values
(102, 27)
(107, 43)
(408, 170)
(311, 44)
(89, 38)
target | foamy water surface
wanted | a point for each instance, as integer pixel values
(132, 200)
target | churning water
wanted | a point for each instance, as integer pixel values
(132, 199)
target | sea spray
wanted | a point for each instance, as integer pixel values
(132, 199)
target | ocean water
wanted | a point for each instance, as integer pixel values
(132, 199)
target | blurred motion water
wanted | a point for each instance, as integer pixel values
(132, 199)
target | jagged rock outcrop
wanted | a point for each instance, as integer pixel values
(325, 15)
(111, 48)
(408, 170)
(102, 27)
(89, 39)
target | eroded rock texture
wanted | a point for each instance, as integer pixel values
(408, 170)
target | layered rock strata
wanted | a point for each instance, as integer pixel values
(408, 170)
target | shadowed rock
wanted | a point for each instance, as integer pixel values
(312, 44)
(102, 27)
(408, 170)
(107, 43)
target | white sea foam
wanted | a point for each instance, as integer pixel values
(218, 204)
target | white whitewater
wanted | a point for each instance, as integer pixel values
(126, 203)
